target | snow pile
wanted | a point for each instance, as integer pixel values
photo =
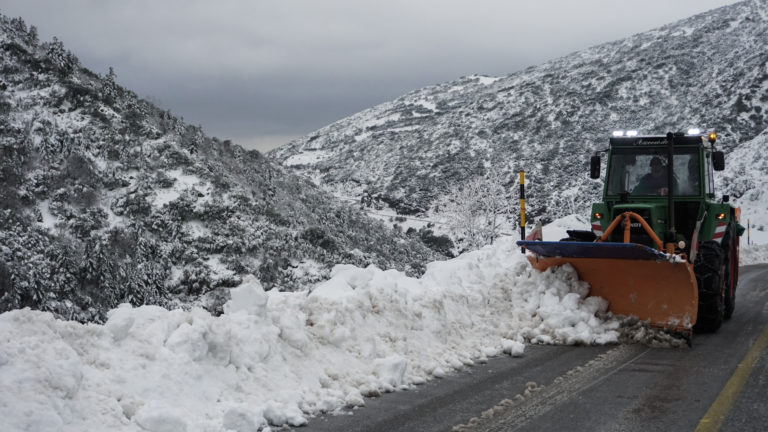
(753, 254)
(274, 358)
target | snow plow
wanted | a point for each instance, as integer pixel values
(662, 248)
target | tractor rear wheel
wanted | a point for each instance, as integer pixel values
(710, 276)
(731, 246)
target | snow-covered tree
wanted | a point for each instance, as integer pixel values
(476, 211)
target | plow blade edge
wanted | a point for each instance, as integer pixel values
(635, 279)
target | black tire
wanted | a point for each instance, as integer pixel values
(731, 246)
(710, 271)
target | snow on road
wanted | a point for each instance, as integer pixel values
(274, 358)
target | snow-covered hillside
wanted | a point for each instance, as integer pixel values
(746, 177)
(708, 71)
(106, 198)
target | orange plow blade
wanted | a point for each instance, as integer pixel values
(635, 280)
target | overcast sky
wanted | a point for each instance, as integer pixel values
(261, 72)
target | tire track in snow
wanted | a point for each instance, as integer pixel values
(511, 414)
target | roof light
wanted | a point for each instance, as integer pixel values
(618, 133)
(694, 131)
(632, 133)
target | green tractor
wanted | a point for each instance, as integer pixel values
(663, 247)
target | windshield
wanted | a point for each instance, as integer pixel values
(643, 171)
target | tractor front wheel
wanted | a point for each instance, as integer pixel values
(710, 276)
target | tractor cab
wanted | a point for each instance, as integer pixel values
(639, 167)
(649, 175)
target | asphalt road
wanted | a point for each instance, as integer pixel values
(720, 383)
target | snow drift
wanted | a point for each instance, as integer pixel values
(276, 358)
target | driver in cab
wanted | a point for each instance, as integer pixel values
(655, 182)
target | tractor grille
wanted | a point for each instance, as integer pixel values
(636, 232)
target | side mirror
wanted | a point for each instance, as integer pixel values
(594, 167)
(718, 160)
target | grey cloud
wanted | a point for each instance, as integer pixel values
(268, 67)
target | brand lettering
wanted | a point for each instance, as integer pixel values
(632, 224)
(651, 142)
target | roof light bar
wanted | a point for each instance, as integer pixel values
(694, 131)
(632, 133)
(618, 133)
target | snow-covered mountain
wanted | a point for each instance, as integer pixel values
(105, 199)
(708, 71)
